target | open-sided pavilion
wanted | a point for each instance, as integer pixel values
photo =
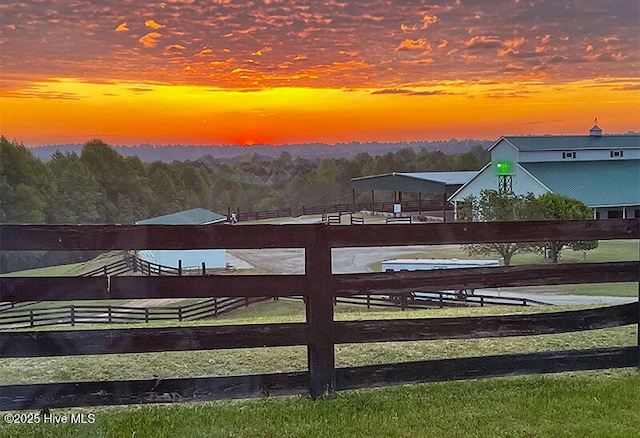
(444, 183)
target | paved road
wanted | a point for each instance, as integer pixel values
(558, 298)
(354, 260)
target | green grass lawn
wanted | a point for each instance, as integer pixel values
(585, 404)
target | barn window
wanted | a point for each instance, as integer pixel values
(505, 183)
(571, 154)
(616, 154)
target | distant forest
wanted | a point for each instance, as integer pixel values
(170, 153)
(98, 185)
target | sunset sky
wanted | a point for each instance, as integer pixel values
(297, 71)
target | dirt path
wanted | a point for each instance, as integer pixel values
(345, 260)
(161, 302)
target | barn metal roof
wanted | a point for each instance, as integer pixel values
(196, 216)
(596, 183)
(572, 142)
(416, 182)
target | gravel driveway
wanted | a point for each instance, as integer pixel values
(345, 260)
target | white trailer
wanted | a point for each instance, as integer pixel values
(430, 264)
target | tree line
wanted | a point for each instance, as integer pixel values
(101, 186)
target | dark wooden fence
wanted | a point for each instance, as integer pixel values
(242, 216)
(320, 333)
(424, 205)
(407, 206)
(107, 314)
(20, 317)
(144, 267)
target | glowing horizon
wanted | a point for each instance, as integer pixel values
(300, 72)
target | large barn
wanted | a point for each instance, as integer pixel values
(603, 171)
(193, 258)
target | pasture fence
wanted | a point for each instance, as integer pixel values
(320, 333)
(113, 314)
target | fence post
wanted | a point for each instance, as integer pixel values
(180, 267)
(73, 315)
(109, 314)
(146, 314)
(31, 318)
(319, 312)
(204, 269)
(180, 314)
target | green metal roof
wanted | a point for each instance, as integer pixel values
(196, 216)
(596, 183)
(416, 182)
(571, 142)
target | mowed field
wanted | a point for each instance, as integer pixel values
(515, 406)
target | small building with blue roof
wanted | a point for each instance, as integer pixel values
(193, 258)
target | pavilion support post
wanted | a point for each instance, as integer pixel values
(353, 200)
(373, 203)
(444, 206)
(419, 203)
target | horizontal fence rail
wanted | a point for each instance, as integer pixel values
(391, 283)
(126, 237)
(146, 340)
(320, 289)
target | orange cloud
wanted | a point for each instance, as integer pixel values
(122, 27)
(372, 17)
(483, 42)
(153, 25)
(150, 39)
(428, 20)
(408, 44)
